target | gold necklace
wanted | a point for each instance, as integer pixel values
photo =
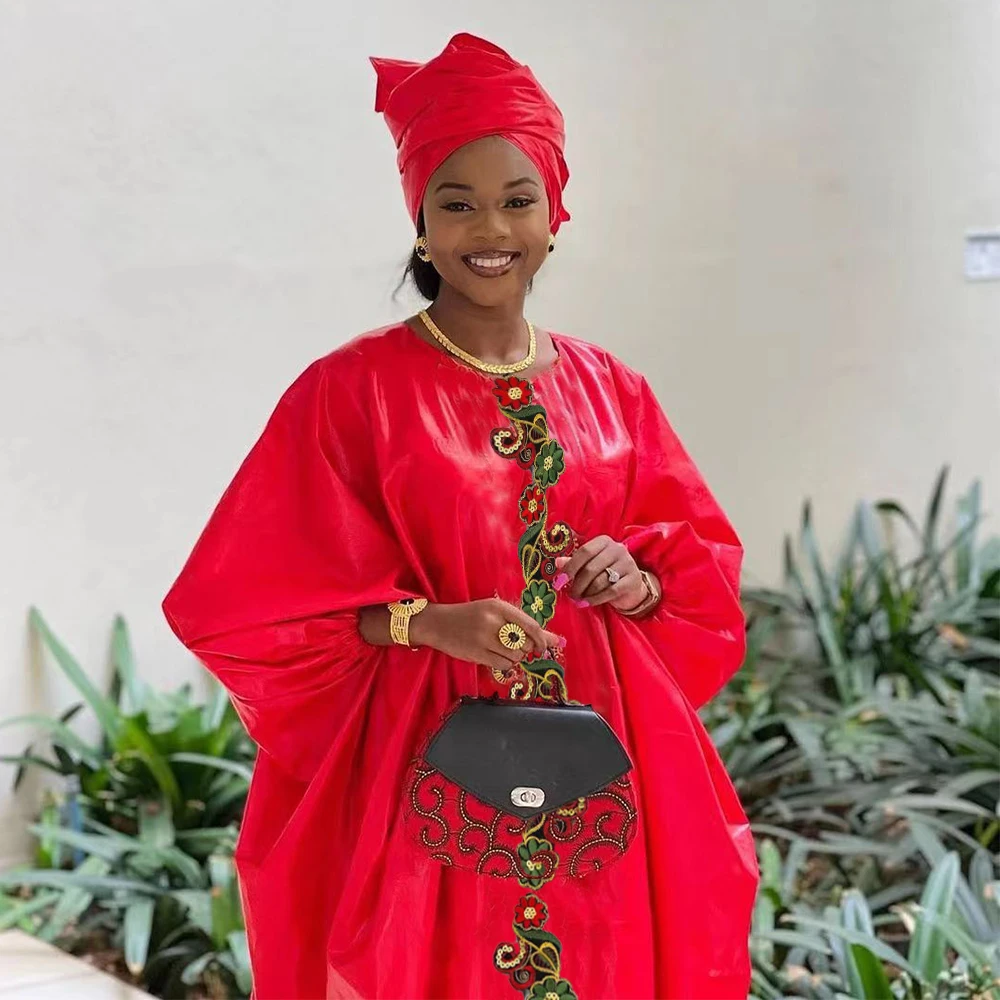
(486, 366)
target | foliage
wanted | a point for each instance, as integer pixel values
(920, 606)
(863, 735)
(134, 847)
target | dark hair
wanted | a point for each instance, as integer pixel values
(423, 273)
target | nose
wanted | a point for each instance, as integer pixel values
(494, 226)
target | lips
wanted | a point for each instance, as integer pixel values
(491, 264)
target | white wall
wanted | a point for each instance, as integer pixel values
(197, 199)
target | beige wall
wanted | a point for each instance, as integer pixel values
(196, 200)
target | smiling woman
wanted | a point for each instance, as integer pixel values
(483, 233)
(499, 226)
(480, 178)
(398, 540)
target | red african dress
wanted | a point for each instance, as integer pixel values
(387, 470)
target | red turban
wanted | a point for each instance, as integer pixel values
(472, 89)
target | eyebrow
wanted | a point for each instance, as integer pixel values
(453, 185)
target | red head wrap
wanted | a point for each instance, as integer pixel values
(472, 89)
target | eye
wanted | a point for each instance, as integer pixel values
(520, 201)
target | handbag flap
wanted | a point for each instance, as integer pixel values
(527, 758)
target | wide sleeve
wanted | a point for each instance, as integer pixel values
(269, 596)
(674, 527)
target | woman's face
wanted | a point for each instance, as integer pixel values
(487, 200)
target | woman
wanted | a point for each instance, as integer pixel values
(362, 572)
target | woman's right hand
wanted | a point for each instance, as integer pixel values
(470, 631)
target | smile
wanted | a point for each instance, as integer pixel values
(490, 265)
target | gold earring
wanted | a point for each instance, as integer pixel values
(422, 249)
(552, 243)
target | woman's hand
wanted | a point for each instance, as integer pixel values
(583, 578)
(470, 631)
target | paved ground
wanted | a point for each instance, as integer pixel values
(33, 970)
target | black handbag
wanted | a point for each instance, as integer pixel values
(526, 758)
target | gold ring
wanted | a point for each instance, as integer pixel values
(512, 628)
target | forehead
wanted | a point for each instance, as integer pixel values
(489, 160)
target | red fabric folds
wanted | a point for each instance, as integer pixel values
(373, 479)
(472, 89)
(268, 599)
(674, 526)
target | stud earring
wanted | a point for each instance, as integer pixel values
(552, 243)
(422, 249)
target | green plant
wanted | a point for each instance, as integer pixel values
(944, 957)
(153, 745)
(861, 798)
(863, 735)
(952, 938)
(178, 922)
(134, 849)
(919, 606)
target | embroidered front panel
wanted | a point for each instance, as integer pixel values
(570, 842)
(462, 831)
(534, 961)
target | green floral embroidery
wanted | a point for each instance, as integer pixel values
(538, 600)
(552, 989)
(537, 861)
(549, 464)
(532, 963)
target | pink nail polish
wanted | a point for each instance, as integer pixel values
(562, 641)
(560, 581)
(580, 603)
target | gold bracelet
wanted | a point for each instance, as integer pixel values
(401, 612)
(648, 602)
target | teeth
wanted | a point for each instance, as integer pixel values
(490, 261)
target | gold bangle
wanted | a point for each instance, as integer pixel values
(401, 612)
(648, 602)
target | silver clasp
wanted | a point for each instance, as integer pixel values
(529, 797)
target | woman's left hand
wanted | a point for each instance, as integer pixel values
(587, 580)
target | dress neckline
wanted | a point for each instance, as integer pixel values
(449, 360)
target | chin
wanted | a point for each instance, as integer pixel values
(491, 301)
(492, 292)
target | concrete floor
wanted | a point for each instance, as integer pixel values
(34, 970)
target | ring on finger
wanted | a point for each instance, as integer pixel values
(503, 675)
(613, 575)
(512, 636)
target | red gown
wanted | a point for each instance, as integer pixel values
(375, 479)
